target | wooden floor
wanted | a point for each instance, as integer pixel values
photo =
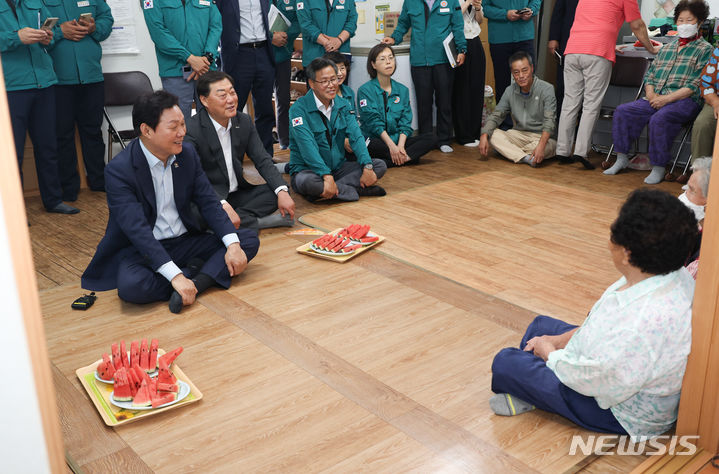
(381, 364)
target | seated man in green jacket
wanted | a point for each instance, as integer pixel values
(319, 123)
(533, 107)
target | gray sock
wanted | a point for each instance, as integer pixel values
(528, 160)
(275, 220)
(506, 405)
(282, 167)
(620, 164)
(656, 176)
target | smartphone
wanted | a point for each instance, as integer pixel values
(86, 16)
(49, 23)
(523, 11)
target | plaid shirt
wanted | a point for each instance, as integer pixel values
(674, 69)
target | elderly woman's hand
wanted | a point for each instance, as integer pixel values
(541, 346)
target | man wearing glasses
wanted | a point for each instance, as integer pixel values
(318, 128)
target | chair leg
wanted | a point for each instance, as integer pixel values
(670, 175)
(606, 164)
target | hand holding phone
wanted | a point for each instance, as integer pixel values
(49, 23)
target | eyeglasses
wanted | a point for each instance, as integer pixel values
(334, 81)
(385, 59)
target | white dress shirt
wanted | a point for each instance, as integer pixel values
(224, 135)
(168, 223)
(252, 27)
(326, 111)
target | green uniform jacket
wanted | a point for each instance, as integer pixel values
(78, 62)
(179, 31)
(375, 117)
(349, 95)
(25, 66)
(309, 149)
(426, 47)
(317, 17)
(501, 30)
(288, 9)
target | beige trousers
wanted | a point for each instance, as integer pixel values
(515, 144)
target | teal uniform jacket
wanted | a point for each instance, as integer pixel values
(426, 47)
(309, 148)
(349, 95)
(180, 30)
(25, 66)
(501, 30)
(376, 117)
(78, 62)
(315, 19)
(288, 9)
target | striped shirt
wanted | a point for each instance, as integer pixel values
(596, 25)
(675, 68)
(710, 76)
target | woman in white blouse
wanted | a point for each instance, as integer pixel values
(468, 93)
(621, 371)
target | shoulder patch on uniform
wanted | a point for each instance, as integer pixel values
(296, 121)
(300, 5)
(396, 100)
(363, 102)
(147, 4)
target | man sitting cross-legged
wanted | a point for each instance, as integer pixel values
(319, 123)
(533, 107)
(222, 137)
(151, 231)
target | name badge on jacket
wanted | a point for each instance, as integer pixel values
(340, 7)
(444, 10)
(83, 3)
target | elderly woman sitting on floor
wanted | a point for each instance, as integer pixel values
(621, 371)
(672, 97)
(695, 198)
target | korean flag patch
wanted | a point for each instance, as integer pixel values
(363, 102)
(147, 4)
(300, 6)
(296, 121)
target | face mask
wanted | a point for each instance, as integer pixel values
(687, 31)
(697, 210)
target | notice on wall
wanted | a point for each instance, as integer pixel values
(380, 11)
(121, 41)
(121, 11)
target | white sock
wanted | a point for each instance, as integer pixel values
(620, 164)
(656, 176)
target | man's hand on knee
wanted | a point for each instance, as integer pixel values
(185, 287)
(234, 218)
(330, 187)
(368, 178)
(235, 259)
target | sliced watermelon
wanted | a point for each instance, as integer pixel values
(352, 248)
(143, 397)
(369, 239)
(116, 359)
(171, 356)
(154, 345)
(167, 387)
(162, 399)
(122, 390)
(164, 375)
(134, 354)
(105, 369)
(134, 380)
(123, 352)
(144, 355)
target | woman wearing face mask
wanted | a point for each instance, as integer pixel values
(695, 198)
(386, 115)
(672, 96)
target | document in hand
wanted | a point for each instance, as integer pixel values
(450, 49)
(277, 21)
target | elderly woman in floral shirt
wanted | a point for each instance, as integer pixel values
(672, 96)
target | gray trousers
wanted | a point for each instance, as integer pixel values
(185, 92)
(282, 102)
(347, 178)
(586, 78)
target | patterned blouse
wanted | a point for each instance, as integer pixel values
(674, 69)
(631, 352)
(709, 78)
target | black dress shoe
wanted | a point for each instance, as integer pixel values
(63, 208)
(371, 191)
(585, 162)
(564, 160)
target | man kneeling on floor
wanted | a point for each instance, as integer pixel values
(320, 121)
(533, 107)
(153, 248)
(222, 137)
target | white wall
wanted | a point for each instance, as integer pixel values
(22, 442)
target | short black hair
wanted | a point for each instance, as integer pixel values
(657, 229)
(372, 57)
(337, 58)
(698, 8)
(518, 56)
(204, 83)
(317, 65)
(149, 107)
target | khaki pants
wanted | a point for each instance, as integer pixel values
(703, 133)
(516, 144)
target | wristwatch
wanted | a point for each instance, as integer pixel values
(368, 166)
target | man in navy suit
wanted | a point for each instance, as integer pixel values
(247, 56)
(151, 233)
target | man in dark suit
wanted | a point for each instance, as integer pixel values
(559, 28)
(247, 56)
(151, 232)
(222, 137)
